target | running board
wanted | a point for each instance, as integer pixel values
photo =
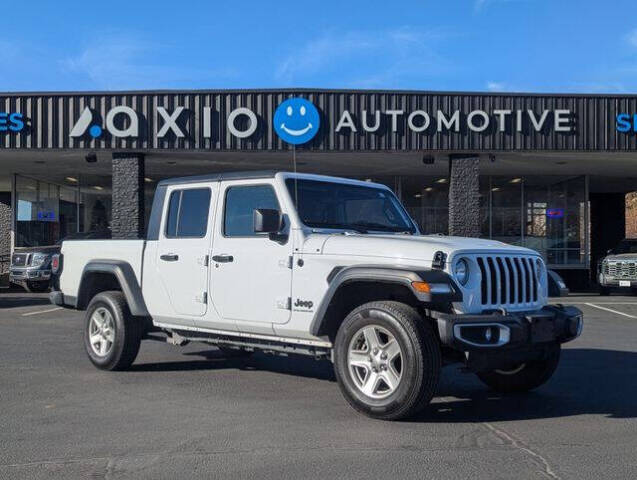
(263, 343)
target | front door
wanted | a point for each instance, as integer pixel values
(251, 273)
(184, 244)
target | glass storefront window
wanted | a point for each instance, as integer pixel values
(556, 220)
(95, 209)
(47, 212)
(546, 214)
(427, 201)
(42, 213)
(505, 221)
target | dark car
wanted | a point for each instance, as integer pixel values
(31, 266)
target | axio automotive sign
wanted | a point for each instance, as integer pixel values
(297, 121)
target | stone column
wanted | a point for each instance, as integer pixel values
(464, 195)
(127, 220)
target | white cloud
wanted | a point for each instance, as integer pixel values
(506, 87)
(382, 57)
(631, 38)
(119, 61)
(496, 86)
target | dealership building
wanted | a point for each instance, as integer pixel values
(549, 172)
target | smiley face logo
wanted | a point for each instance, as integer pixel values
(296, 121)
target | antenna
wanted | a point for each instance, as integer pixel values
(296, 188)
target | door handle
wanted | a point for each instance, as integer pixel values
(223, 258)
(169, 257)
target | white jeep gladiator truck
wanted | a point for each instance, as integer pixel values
(322, 266)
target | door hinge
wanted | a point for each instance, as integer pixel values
(203, 298)
(287, 263)
(284, 304)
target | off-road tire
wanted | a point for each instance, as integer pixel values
(128, 332)
(532, 375)
(421, 364)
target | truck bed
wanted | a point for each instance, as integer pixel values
(77, 253)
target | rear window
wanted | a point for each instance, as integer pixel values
(188, 213)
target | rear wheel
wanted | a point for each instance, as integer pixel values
(387, 360)
(525, 376)
(112, 336)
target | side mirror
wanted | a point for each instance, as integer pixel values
(266, 220)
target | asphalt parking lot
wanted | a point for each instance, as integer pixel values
(187, 412)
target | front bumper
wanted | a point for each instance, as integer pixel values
(606, 280)
(509, 331)
(29, 274)
(513, 338)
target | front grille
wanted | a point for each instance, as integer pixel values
(19, 259)
(508, 281)
(621, 269)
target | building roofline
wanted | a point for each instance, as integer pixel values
(305, 90)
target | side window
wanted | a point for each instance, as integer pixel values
(240, 205)
(188, 213)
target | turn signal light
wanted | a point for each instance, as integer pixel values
(422, 287)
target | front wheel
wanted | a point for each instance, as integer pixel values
(387, 360)
(112, 336)
(525, 376)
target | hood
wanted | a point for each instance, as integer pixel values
(415, 247)
(621, 256)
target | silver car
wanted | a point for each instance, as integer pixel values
(619, 268)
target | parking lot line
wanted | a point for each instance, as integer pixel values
(610, 310)
(41, 311)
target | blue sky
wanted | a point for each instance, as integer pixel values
(475, 45)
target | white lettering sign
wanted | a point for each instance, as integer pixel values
(133, 122)
(123, 122)
(170, 122)
(248, 131)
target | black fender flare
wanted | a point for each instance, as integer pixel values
(126, 278)
(443, 288)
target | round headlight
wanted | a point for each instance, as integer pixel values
(539, 268)
(461, 271)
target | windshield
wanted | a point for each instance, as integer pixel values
(626, 246)
(350, 207)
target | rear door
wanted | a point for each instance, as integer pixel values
(184, 245)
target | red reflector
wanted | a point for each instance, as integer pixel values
(55, 263)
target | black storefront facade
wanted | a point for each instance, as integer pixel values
(546, 171)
